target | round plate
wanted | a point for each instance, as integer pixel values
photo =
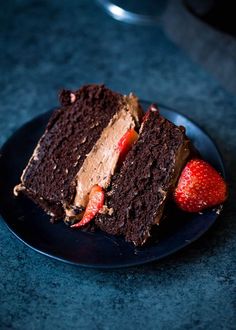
(94, 249)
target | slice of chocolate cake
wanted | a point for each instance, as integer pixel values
(138, 193)
(63, 162)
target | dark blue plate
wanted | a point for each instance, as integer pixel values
(99, 250)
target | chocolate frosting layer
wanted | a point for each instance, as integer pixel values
(100, 164)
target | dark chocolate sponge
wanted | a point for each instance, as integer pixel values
(147, 177)
(70, 134)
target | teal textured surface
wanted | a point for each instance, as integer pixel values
(49, 45)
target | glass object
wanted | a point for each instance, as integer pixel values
(134, 11)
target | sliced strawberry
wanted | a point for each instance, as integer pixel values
(126, 142)
(200, 186)
(145, 117)
(152, 107)
(96, 201)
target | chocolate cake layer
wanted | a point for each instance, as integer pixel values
(70, 134)
(139, 192)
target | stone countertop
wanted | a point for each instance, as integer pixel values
(46, 45)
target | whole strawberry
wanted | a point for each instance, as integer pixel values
(200, 186)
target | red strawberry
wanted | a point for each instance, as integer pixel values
(96, 201)
(200, 186)
(126, 142)
(152, 107)
(145, 117)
